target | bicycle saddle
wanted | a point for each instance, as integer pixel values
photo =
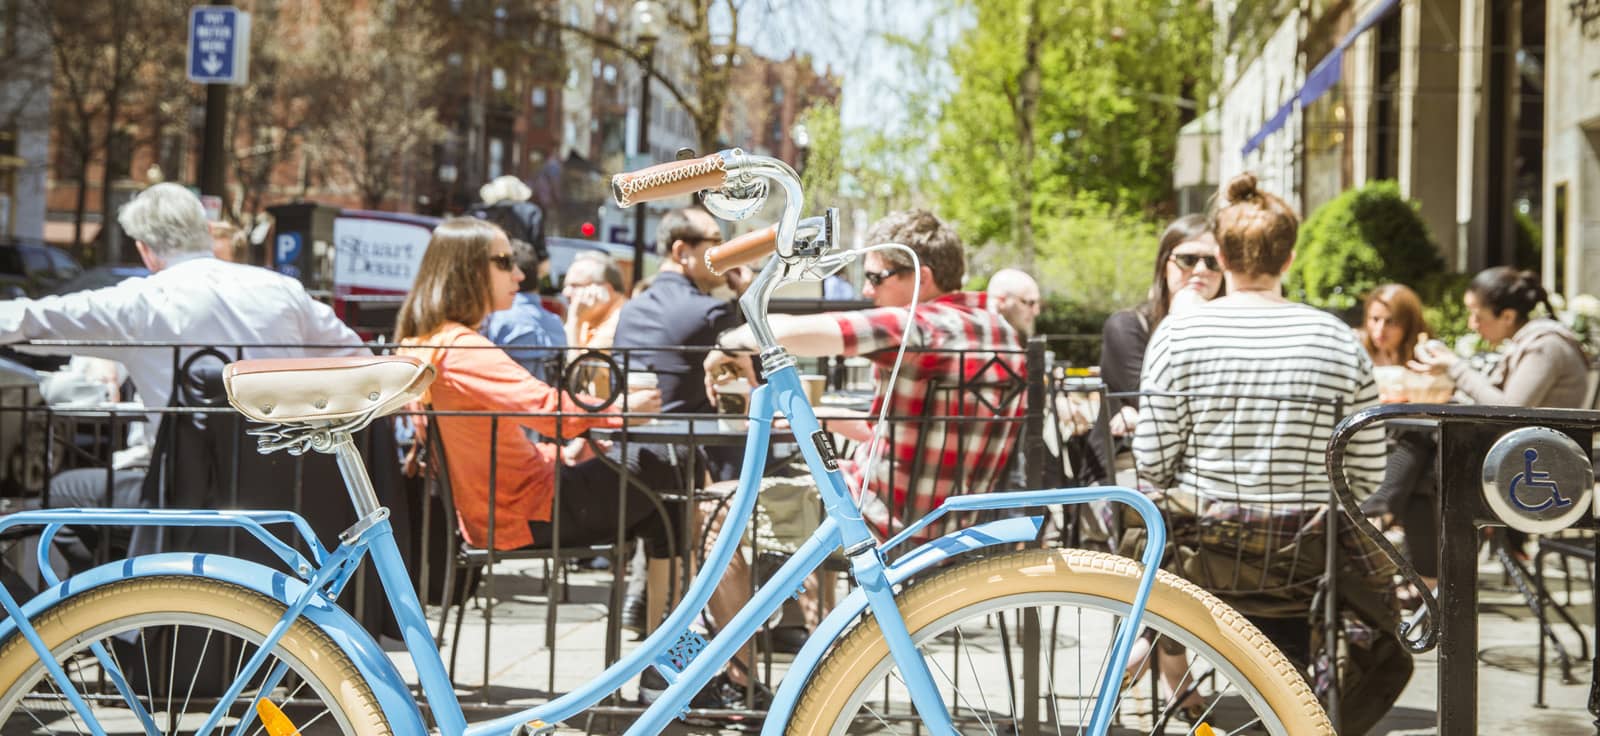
(284, 390)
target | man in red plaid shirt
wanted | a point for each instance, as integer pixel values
(943, 439)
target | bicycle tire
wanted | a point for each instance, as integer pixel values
(937, 605)
(136, 614)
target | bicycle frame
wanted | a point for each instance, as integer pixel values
(325, 573)
(673, 643)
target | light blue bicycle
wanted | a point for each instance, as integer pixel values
(969, 633)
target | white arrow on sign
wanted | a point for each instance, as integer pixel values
(212, 64)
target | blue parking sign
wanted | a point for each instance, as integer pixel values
(219, 45)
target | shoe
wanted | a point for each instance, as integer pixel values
(719, 694)
(651, 686)
(785, 639)
(633, 612)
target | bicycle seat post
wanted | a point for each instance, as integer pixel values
(356, 480)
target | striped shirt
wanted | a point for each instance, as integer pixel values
(1241, 400)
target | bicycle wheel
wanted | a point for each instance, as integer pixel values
(968, 620)
(179, 642)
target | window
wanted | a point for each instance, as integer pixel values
(119, 156)
(497, 79)
(497, 153)
(777, 93)
(540, 101)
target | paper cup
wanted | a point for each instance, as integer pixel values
(642, 379)
(733, 403)
(815, 385)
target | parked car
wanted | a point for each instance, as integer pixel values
(29, 268)
(99, 277)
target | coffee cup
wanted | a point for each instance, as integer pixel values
(815, 385)
(733, 403)
(642, 379)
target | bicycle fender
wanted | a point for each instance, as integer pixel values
(386, 683)
(954, 544)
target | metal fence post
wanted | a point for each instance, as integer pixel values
(1033, 464)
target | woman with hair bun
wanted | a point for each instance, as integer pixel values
(1544, 365)
(1238, 398)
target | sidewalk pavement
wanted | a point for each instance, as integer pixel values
(521, 672)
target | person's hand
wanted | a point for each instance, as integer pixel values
(719, 363)
(1429, 360)
(583, 299)
(581, 450)
(739, 279)
(643, 401)
(1122, 422)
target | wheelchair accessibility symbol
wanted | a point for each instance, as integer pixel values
(1537, 480)
(1524, 482)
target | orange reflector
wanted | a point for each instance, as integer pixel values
(273, 719)
(1204, 730)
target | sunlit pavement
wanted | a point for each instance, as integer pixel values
(521, 675)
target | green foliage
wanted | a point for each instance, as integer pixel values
(1361, 239)
(1530, 241)
(1072, 329)
(1090, 253)
(1442, 307)
(1112, 76)
(820, 177)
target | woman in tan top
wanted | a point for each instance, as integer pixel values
(1544, 363)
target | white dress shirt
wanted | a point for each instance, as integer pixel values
(198, 300)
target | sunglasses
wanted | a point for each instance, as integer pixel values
(877, 279)
(503, 262)
(1187, 261)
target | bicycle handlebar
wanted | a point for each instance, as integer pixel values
(743, 250)
(665, 181)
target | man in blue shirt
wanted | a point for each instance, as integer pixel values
(530, 334)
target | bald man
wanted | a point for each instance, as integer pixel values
(1015, 296)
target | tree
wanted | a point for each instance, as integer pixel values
(384, 70)
(1063, 102)
(291, 97)
(1359, 240)
(108, 55)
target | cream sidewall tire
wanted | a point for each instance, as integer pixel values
(1087, 575)
(193, 601)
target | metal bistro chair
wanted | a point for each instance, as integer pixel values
(479, 562)
(1284, 564)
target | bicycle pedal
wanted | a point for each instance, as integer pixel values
(534, 728)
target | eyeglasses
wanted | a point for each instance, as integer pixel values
(877, 279)
(503, 262)
(1187, 261)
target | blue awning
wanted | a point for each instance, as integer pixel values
(1321, 78)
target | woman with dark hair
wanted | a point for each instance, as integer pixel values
(1543, 365)
(1187, 273)
(468, 272)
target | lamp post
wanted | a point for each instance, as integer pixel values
(802, 145)
(647, 22)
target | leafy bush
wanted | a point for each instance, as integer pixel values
(1072, 329)
(1442, 306)
(1361, 239)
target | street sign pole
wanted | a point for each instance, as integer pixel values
(213, 151)
(219, 55)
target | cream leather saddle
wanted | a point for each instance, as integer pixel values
(323, 391)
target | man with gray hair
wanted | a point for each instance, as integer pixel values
(190, 298)
(1015, 296)
(595, 295)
